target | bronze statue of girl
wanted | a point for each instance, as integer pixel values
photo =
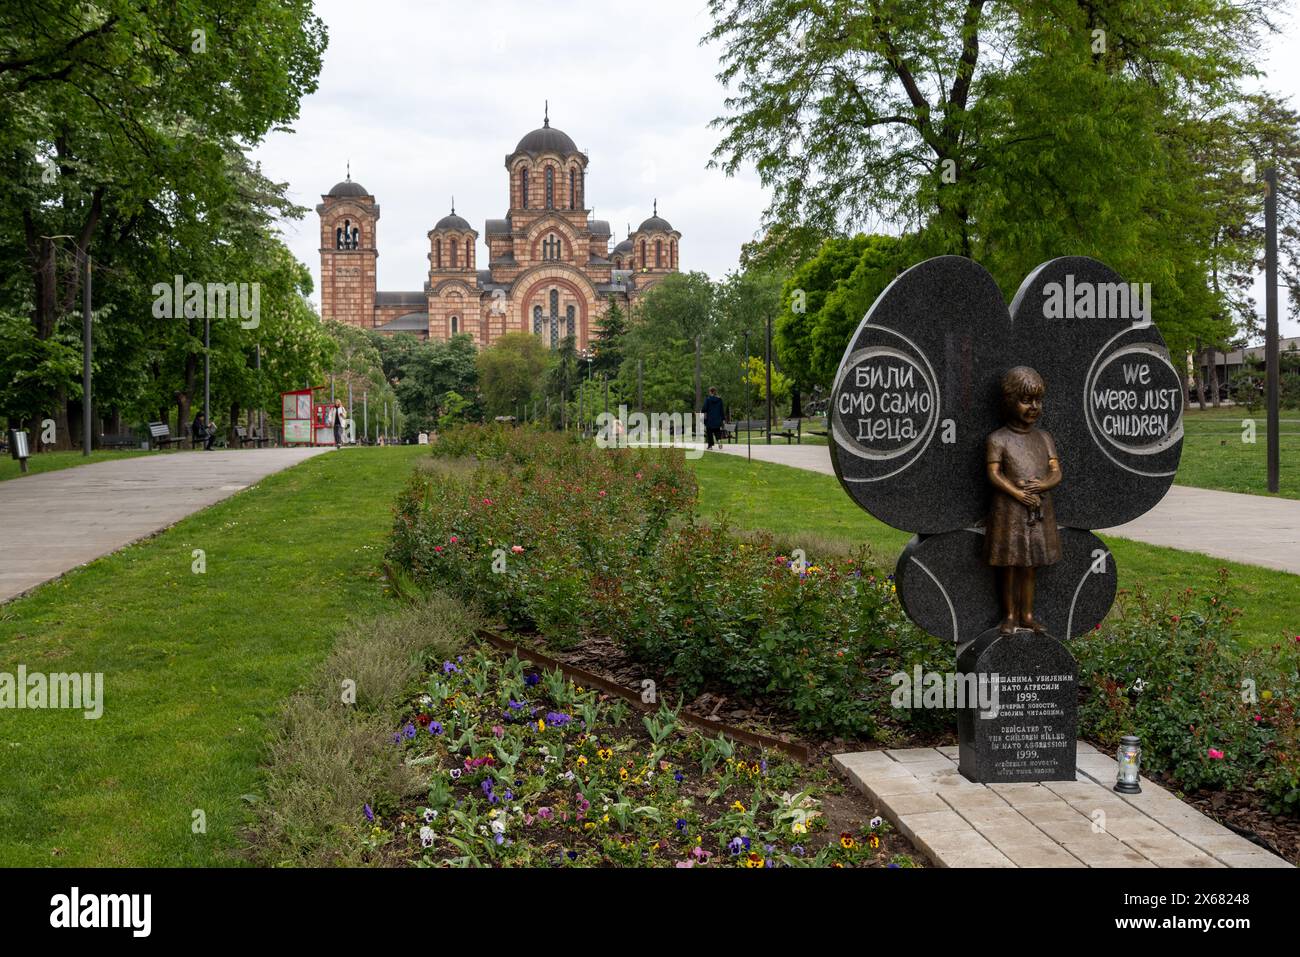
(1023, 467)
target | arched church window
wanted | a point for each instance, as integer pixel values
(568, 312)
(537, 320)
(659, 253)
(437, 253)
(523, 186)
(452, 244)
(468, 259)
(573, 188)
(555, 318)
(672, 254)
(550, 187)
(346, 237)
(551, 247)
(356, 237)
(643, 259)
(455, 325)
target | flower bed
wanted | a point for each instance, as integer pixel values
(571, 542)
(578, 545)
(1209, 714)
(527, 768)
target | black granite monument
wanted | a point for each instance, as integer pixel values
(916, 399)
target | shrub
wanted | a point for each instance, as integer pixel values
(328, 757)
(1210, 714)
(556, 537)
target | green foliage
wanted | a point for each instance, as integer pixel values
(1209, 714)
(425, 375)
(1013, 133)
(607, 344)
(124, 134)
(512, 372)
(33, 370)
(556, 537)
(515, 779)
(827, 296)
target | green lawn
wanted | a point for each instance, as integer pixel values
(193, 665)
(53, 461)
(810, 507)
(1215, 454)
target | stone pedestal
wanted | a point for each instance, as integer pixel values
(1030, 731)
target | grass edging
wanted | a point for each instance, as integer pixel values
(327, 757)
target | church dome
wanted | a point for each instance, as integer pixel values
(546, 139)
(654, 224)
(348, 188)
(624, 247)
(452, 221)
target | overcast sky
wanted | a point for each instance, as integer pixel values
(426, 98)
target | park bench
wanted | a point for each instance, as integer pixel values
(124, 440)
(245, 439)
(791, 429)
(748, 425)
(160, 434)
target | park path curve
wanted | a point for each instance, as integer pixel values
(1250, 529)
(51, 522)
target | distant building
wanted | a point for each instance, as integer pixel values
(1228, 364)
(550, 270)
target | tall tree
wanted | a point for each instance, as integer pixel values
(1008, 132)
(114, 110)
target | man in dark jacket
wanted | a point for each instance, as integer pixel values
(715, 416)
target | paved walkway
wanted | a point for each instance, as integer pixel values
(52, 522)
(1079, 823)
(1251, 529)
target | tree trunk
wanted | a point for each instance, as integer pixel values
(62, 428)
(1212, 355)
(231, 440)
(1197, 379)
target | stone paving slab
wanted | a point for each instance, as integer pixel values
(52, 522)
(1264, 530)
(1080, 823)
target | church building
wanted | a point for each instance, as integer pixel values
(550, 270)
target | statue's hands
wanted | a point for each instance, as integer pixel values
(1029, 500)
(1034, 486)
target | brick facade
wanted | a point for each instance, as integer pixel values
(549, 264)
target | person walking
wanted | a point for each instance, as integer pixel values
(715, 416)
(339, 414)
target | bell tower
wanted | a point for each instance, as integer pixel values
(348, 253)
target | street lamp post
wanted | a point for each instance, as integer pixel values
(1272, 361)
(207, 371)
(87, 418)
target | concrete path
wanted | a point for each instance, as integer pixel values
(1079, 823)
(54, 521)
(1251, 529)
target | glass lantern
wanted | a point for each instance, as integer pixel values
(1129, 757)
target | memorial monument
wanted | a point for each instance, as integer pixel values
(1000, 437)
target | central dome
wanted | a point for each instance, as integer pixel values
(546, 139)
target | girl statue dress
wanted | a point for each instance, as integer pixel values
(1023, 467)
